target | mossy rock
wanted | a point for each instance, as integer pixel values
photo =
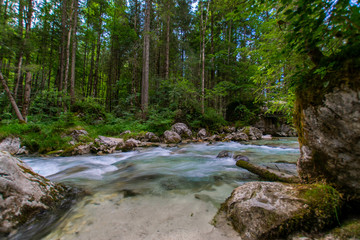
(271, 210)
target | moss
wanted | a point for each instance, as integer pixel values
(69, 151)
(350, 229)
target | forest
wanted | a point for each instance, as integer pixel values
(144, 65)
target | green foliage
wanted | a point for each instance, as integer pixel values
(89, 110)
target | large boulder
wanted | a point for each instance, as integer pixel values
(253, 132)
(182, 130)
(11, 145)
(270, 210)
(327, 117)
(107, 144)
(237, 136)
(171, 137)
(23, 193)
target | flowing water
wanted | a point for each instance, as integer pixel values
(156, 193)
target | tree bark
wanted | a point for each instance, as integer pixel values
(203, 28)
(167, 55)
(98, 48)
(146, 52)
(27, 92)
(11, 98)
(73, 57)
(62, 50)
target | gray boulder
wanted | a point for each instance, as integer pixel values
(23, 193)
(181, 129)
(82, 149)
(171, 137)
(107, 144)
(131, 144)
(11, 145)
(77, 134)
(151, 137)
(237, 136)
(270, 210)
(202, 133)
(329, 135)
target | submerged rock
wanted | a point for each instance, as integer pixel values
(224, 154)
(11, 145)
(171, 137)
(269, 210)
(241, 157)
(181, 129)
(23, 193)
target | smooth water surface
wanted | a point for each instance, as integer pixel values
(157, 193)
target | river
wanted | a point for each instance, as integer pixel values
(155, 193)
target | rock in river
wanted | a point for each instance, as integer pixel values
(171, 137)
(23, 193)
(270, 210)
(181, 129)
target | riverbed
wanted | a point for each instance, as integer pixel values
(156, 193)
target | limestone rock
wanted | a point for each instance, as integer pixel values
(270, 210)
(131, 144)
(202, 134)
(171, 137)
(329, 138)
(77, 134)
(267, 137)
(11, 145)
(237, 136)
(107, 144)
(181, 129)
(252, 132)
(151, 137)
(23, 193)
(82, 149)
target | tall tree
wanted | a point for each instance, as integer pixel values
(146, 52)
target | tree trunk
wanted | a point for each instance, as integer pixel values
(146, 52)
(20, 57)
(135, 64)
(96, 75)
(62, 50)
(27, 92)
(167, 55)
(73, 57)
(203, 26)
(11, 98)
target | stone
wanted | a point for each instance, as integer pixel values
(274, 125)
(23, 193)
(182, 130)
(171, 137)
(329, 137)
(151, 137)
(131, 144)
(107, 144)
(202, 134)
(255, 133)
(215, 138)
(241, 157)
(11, 145)
(77, 134)
(228, 129)
(237, 136)
(267, 137)
(271, 210)
(224, 154)
(82, 149)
